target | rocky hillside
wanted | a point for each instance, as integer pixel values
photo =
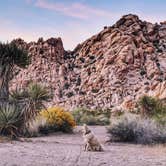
(112, 68)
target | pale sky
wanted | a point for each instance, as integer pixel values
(72, 20)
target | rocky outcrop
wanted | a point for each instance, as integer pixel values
(158, 90)
(47, 59)
(111, 68)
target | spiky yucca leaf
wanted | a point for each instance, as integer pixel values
(18, 95)
(11, 120)
(38, 93)
(31, 101)
(151, 106)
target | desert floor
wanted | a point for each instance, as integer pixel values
(67, 150)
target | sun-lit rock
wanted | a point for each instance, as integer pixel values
(110, 69)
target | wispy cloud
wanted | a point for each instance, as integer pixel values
(77, 10)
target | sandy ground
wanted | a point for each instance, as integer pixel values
(67, 150)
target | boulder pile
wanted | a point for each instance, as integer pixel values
(112, 68)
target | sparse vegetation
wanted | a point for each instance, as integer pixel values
(32, 101)
(146, 127)
(10, 55)
(17, 115)
(11, 120)
(153, 108)
(91, 117)
(57, 119)
(133, 128)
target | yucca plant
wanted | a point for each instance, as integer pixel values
(10, 55)
(147, 105)
(11, 120)
(18, 95)
(152, 107)
(31, 101)
(38, 95)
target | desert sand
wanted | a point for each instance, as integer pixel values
(61, 149)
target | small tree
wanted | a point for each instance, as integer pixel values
(10, 55)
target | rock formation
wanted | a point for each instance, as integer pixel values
(115, 66)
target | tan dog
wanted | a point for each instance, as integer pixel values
(91, 142)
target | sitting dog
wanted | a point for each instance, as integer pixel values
(91, 142)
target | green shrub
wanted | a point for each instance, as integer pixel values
(91, 117)
(154, 108)
(11, 120)
(31, 99)
(147, 105)
(132, 128)
(10, 56)
(89, 120)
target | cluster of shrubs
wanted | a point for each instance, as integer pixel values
(22, 115)
(20, 110)
(21, 107)
(91, 117)
(146, 127)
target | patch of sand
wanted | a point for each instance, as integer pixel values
(67, 150)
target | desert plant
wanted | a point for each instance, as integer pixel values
(35, 125)
(10, 55)
(132, 128)
(32, 99)
(78, 114)
(38, 95)
(11, 120)
(91, 117)
(153, 107)
(147, 105)
(57, 119)
(18, 95)
(89, 120)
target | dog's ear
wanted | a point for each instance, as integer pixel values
(86, 128)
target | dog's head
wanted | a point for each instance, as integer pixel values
(85, 129)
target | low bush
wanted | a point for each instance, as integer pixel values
(11, 120)
(153, 108)
(30, 100)
(150, 106)
(36, 125)
(57, 119)
(133, 128)
(91, 117)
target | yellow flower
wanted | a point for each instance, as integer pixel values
(58, 116)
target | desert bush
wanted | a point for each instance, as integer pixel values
(91, 117)
(35, 125)
(11, 120)
(133, 128)
(153, 108)
(57, 119)
(31, 101)
(150, 105)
